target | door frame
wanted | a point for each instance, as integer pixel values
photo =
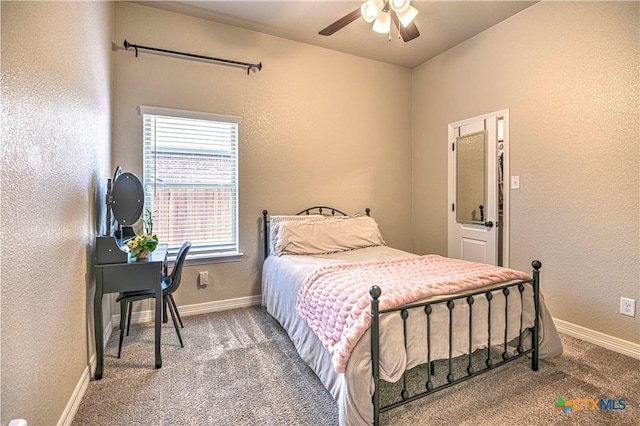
(506, 173)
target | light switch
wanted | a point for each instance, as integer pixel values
(515, 182)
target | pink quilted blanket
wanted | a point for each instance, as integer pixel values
(334, 300)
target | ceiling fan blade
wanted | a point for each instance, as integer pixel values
(407, 33)
(341, 23)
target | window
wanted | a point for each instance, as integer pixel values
(191, 179)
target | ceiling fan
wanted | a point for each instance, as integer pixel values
(381, 13)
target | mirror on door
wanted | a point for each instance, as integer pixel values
(471, 178)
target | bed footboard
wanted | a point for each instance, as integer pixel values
(471, 371)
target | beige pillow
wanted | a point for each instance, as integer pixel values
(330, 235)
(275, 221)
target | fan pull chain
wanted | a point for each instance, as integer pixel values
(391, 29)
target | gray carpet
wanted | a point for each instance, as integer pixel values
(238, 367)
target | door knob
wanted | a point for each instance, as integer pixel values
(488, 224)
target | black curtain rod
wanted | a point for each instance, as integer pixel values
(248, 65)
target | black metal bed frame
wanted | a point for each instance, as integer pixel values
(469, 299)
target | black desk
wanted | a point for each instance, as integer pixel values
(129, 276)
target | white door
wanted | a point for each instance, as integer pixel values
(474, 214)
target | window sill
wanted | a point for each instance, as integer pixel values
(210, 258)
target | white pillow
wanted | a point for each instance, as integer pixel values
(330, 235)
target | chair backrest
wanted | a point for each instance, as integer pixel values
(176, 273)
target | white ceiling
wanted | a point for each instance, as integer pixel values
(442, 24)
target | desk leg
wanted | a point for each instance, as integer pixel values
(158, 325)
(97, 326)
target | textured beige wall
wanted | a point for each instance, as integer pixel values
(568, 72)
(56, 101)
(319, 127)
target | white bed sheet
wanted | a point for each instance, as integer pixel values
(281, 279)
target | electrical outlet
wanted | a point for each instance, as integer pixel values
(204, 278)
(515, 182)
(627, 307)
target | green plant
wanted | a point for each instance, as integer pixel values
(148, 222)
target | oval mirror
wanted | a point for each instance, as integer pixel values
(111, 219)
(127, 199)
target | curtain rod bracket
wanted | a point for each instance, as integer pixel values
(258, 66)
(127, 45)
(249, 66)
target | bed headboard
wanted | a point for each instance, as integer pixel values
(317, 210)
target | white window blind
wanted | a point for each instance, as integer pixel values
(191, 178)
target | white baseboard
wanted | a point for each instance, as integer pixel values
(78, 393)
(221, 305)
(198, 308)
(110, 326)
(81, 388)
(604, 340)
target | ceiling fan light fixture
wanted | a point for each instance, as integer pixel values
(380, 13)
(370, 10)
(382, 24)
(399, 5)
(407, 16)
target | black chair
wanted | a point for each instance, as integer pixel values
(170, 283)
